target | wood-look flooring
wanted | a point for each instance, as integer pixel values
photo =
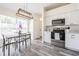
(42, 49)
(38, 48)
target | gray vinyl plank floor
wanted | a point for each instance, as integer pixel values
(38, 48)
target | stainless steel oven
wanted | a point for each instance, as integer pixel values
(61, 34)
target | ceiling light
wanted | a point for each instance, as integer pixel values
(24, 14)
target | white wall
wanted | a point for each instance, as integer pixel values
(37, 27)
(43, 24)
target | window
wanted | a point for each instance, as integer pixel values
(10, 25)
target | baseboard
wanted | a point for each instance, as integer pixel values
(76, 50)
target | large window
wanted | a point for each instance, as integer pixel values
(23, 23)
(10, 25)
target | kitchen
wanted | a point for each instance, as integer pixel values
(70, 14)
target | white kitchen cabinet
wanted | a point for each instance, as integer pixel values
(47, 36)
(72, 41)
(48, 21)
(74, 17)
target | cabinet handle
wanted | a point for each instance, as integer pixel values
(73, 36)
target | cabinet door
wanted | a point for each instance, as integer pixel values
(75, 41)
(72, 41)
(74, 17)
(67, 39)
(47, 37)
(48, 21)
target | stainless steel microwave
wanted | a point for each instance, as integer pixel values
(58, 22)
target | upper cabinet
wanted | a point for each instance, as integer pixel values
(48, 21)
(69, 12)
(74, 17)
(63, 9)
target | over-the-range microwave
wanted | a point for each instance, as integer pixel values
(58, 22)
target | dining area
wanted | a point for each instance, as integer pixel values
(11, 45)
(14, 35)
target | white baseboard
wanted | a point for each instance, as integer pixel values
(72, 49)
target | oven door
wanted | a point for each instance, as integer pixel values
(52, 35)
(58, 35)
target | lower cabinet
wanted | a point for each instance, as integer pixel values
(47, 36)
(72, 41)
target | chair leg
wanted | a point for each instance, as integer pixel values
(8, 50)
(25, 44)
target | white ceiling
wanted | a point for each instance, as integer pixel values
(32, 7)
